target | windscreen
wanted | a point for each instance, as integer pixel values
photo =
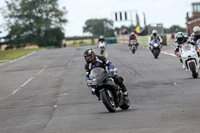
(96, 72)
(186, 47)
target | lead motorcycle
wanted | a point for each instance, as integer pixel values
(107, 90)
(190, 59)
(155, 48)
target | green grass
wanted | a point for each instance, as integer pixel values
(14, 54)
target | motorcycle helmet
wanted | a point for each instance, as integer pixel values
(132, 35)
(196, 31)
(180, 37)
(154, 32)
(101, 38)
(89, 55)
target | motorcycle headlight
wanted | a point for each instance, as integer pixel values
(155, 45)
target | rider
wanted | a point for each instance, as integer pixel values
(101, 39)
(155, 36)
(180, 40)
(132, 37)
(93, 61)
(196, 33)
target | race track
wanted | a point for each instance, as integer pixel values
(46, 92)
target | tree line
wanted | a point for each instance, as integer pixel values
(33, 22)
(41, 22)
(105, 27)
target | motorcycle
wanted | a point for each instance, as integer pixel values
(190, 59)
(107, 90)
(102, 47)
(133, 45)
(155, 48)
(198, 47)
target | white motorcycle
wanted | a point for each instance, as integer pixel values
(198, 47)
(102, 47)
(190, 59)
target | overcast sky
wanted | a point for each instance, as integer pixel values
(168, 12)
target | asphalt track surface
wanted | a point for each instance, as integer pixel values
(46, 92)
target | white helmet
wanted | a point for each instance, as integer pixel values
(101, 37)
(196, 29)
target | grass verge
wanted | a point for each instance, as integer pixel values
(7, 55)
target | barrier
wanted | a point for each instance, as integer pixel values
(142, 40)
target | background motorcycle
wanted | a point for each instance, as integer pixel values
(133, 45)
(102, 47)
(190, 59)
(198, 47)
(107, 90)
(155, 48)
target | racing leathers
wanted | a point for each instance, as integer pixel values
(157, 37)
(102, 62)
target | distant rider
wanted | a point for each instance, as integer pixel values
(180, 40)
(93, 61)
(132, 37)
(155, 36)
(101, 39)
(196, 33)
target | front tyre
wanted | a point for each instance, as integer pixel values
(193, 70)
(108, 100)
(156, 53)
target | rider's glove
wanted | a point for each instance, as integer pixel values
(89, 82)
(178, 55)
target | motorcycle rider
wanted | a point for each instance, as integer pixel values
(101, 39)
(155, 36)
(93, 61)
(132, 37)
(196, 33)
(180, 40)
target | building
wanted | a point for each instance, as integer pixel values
(195, 19)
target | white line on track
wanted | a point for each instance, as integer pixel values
(69, 65)
(29, 80)
(168, 53)
(175, 83)
(41, 70)
(26, 82)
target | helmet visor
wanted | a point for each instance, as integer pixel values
(197, 33)
(180, 39)
(88, 57)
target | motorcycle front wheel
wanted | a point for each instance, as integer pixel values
(108, 100)
(156, 53)
(193, 69)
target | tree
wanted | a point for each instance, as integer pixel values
(28, 21)
(174, 29)
(99, 27)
